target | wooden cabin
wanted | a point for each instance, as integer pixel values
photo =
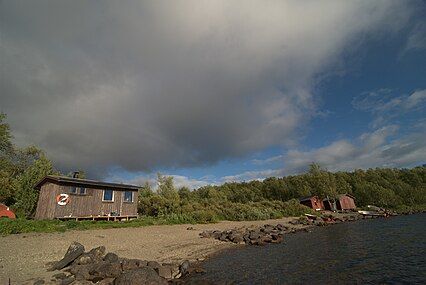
(73, 198)
(313, 202)
(343, 202)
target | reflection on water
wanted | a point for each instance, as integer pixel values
(380, 251)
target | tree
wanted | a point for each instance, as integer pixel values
(323, 183)
(20, 170)
(26, 195)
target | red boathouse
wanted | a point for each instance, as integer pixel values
(312, 202)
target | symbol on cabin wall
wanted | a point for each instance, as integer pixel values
(62, 199)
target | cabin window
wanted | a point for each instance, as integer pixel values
(108, 196)
(78, 190)
(128, 196)
(73, 190)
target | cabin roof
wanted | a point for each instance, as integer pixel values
(307, 198)
(340, 196)
(84, 182)
(346, 194)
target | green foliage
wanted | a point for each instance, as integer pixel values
(26, 195)
(278, 197)
(20, 170)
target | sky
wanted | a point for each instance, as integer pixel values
(215, 91)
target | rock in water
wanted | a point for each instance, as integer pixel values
(140, 276)
(74, 251)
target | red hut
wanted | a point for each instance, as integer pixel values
(342, 202)
(312, 202)
(5, 212)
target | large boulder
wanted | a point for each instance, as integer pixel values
(165, 271)
(128, 264)
(74, 251)
(67, 280)
(97, 252)
(84, 259)
(105, 270)
(82, 271)
(153, 264)
(184, 268)
(111, 257)
(140, 276)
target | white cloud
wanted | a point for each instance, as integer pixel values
(268, 160)
(251, 175)
(417, 38)
(376, 149)
(145, 85)
(415, 100)
(178, 181)
(385, 106)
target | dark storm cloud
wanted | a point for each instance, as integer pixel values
(141, 85)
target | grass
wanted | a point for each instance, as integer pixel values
(21, 225)
(17, 226)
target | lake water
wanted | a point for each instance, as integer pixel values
(379, 251)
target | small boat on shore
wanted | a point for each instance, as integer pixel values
(309, 216)
(370, 213)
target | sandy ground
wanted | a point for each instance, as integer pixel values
(24, 256)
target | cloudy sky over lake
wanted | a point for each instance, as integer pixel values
(215, 91)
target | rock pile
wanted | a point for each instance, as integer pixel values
(251, 236)
(274, 234)
(98, 267)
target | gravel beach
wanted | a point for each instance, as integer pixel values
(24, 256)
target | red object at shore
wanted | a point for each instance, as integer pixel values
(5, 212)
(312, 202)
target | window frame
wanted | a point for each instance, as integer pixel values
(73, 190)
(112, 197)
(131, 195)
(80, 192)
(77, 190)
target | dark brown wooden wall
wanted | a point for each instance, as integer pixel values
(346, 203)
(314, 203)
(46, 202)
(90, 204)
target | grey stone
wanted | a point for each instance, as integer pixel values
(83, 259)
(106, 281)
(105, 270)
(60, 275)
(184, 268)
(111, 257)
(81, 282)
(67, 280)
(39, 282)
(153, 264)
(97, 252)
(140, 276)
(128, 264)
(165, 271)
(74, 251)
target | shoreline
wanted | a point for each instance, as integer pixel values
(24, 257)
(250, 259)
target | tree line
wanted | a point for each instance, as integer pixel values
(274, 197)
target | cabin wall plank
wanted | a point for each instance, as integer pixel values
(90, 204)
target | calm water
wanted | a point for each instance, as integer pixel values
(380, 251)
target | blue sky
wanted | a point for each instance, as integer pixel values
(383, 65)
(236, 91)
